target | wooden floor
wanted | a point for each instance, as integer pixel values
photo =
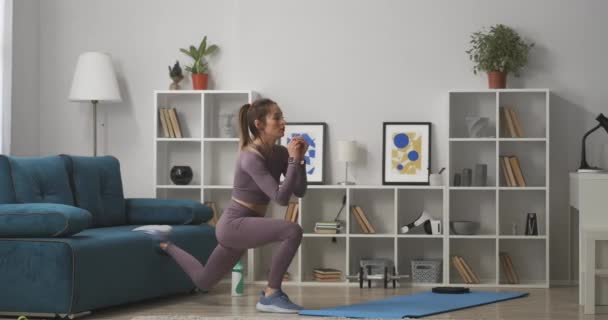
(554, 303)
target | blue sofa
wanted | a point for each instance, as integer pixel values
(66, 245)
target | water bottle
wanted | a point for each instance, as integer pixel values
(238, 283)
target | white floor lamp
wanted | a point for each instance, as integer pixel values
(94, 80)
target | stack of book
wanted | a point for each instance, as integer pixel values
(286, 276)
(170, 123)
(328, 227)
(508, 269)
(291, 214)
(362, 220)
(510, 123)
(327, 274)
(465, 271)
(511, 171)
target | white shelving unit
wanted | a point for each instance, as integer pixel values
(497, 206)
(212, 158)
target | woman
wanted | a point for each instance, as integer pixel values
(242, 225)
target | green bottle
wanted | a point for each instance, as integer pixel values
(238, 282)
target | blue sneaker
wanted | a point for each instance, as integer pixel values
(277, 302)
(157, 232)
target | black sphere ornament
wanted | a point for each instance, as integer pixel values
(181, 175)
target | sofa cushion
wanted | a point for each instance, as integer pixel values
(36, 220)
(98, 188)
(41, 179)
(7, 193)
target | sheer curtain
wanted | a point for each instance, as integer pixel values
(6, 57)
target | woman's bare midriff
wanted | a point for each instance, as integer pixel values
(260, 209)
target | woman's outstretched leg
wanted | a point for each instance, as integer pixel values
(220, 261)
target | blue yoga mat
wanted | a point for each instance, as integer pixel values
(415, 305)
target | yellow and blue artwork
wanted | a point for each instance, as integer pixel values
(406, 156)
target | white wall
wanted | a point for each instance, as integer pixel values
(352, 64)
(25, 128)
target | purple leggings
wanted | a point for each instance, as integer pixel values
(237, 230)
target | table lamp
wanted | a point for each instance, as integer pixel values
(585, 167)
(347, 152)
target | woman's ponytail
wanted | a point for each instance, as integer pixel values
(244, 126)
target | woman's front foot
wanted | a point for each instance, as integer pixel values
(277, 302)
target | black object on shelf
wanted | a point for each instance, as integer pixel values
(181, 175)
(585, 167)
(531, 224)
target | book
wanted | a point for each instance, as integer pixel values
(506, 269)
(505, 174)
(516, 124)
(175, 122)
(510, 123)
(296, 211)
(289, 210)
(163, 123)
(519, 176)
(463, 274)
(368, 225)
(327, 271)
(355, 213)
(507, 164)
(168, 122)
(468, 270)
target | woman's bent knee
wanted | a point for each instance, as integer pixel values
(295, 231)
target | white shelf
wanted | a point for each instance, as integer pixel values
(324, 235)
(497, 207)
(523, 90)
(221, 139)
(218, 187)
(423, 236)
(188, 92)
(170, 186)
(539, 237)
(373, 235)
(478, 236)
(473, 139)
(178, 139)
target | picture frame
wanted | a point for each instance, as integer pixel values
(406, 153)
(315, 134)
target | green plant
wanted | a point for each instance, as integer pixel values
(500, 49)
(198, 55)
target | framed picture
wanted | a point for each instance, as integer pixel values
(314, 134)
(406, 152)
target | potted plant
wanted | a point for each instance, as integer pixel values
(498, 52)
(199, 66)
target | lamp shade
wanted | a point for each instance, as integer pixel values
(347, 151)
(94, 78)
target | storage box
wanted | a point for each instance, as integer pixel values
(428, 271)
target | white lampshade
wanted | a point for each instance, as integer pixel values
(94, 78)
(347, 151)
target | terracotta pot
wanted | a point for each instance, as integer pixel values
(199, 81)
(497, 80)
